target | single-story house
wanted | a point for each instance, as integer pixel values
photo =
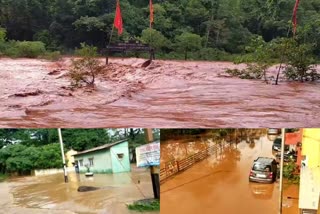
(108, 158)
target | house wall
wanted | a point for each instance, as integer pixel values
(311, 146)
(101, 161)
(120, 165)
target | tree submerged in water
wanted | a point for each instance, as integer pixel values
(295, 57)
(86, 69)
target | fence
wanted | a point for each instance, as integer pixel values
(173, 167)
(39, 172)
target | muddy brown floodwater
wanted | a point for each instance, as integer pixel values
(49, 194)
(219, 184)
(36, 93)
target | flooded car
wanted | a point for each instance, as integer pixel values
(264, 170)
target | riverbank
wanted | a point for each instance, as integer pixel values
(3, 177)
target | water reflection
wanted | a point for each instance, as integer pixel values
(261, 191)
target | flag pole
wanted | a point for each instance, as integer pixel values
(150, 27)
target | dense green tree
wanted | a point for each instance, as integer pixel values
(222, 25)
(154, 38)
(187, 42)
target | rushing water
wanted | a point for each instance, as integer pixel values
(167, 94)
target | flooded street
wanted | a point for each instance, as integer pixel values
(49, 194)
(36, 93)
(219, 184)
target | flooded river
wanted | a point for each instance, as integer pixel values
(36, 93)
(220, 184)
(49, 194)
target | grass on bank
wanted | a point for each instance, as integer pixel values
(145, 205)
(3, 177)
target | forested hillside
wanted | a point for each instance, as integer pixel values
(206, 27)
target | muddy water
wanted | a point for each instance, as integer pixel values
(45, 194)
(220, 185)
(290, 198)
(167, 94)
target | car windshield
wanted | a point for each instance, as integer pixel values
(261, 167)
(277, 142)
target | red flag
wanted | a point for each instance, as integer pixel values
(118, 19)
(294, 16)
(151, 11)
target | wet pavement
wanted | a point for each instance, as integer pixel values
(220, 184)
(49, 194)
(166, 94)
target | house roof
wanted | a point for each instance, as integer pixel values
(105, 146)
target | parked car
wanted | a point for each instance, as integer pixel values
(273, 131)
(264, 170)
(276, 146)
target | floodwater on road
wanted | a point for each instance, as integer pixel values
(220, 185)
(49, 194)
(36, 93)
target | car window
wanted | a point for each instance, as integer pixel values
(261, 167)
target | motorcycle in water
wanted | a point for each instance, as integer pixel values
(288, 156)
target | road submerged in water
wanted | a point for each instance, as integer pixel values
(219, 184)
(36, 93)
(49, 193)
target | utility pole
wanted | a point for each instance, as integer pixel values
(154, 170)
(63, 159)
(283, 134)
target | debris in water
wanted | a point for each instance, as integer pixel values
(87, 188)
(146, 63)
(54, 72)
(26, 94)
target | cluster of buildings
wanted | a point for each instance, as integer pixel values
(306, 143)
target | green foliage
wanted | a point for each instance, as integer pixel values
(289, 172)
(143, 206)
(223, 25)
(154, 38)
(300, 61)
(3, 35)
(188, 42)
(25, 49)
(85, 71)
(52, 56)
(3, 177)
(90, 23)
(87, 51)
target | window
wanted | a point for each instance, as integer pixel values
(90, 161)
(120, 155)
(81, 162)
